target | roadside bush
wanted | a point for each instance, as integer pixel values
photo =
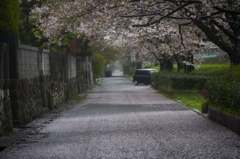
(8, 17)
(180, 80)
(165, 79)
(224, 89)
(97, 65)
(186, 81)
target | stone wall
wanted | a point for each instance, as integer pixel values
(45, 81)
(68, 76)
(26, 100)
(58, 92)
(82, 83)
(39, 82)
(58, 76)
(5, 108)
(46, 93)
(58, 66)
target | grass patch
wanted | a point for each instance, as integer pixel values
(204, 68)
(209, 69)
(156, 67)
(193, 100)
(78, 98)
(129, 77)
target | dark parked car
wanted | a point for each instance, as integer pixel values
(143, 76)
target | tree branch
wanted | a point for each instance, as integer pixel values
(227, 10)
(167, 15)
(211, 35)
(225, 31)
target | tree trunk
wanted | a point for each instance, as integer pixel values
(179, 60)
(189, 58)
(235, 58)
(166, 64)
(188, 68)
(235, 55)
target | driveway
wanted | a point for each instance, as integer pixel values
(120, 120)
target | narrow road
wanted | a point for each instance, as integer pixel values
(120, 120)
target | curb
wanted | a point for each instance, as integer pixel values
(195, 110)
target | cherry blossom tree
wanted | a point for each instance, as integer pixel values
(219, 20)
(163, 42)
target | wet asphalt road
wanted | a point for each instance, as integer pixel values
(120, 120)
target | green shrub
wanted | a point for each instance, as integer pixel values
(97, 65)
(8, 17)
(187, 81)
(180, 80)
(164, 78)
(224, 89)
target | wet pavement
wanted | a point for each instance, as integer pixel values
(120, 120)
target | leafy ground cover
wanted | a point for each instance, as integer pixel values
(193, 100)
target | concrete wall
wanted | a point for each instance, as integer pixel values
(28, 61)
(45, 62)
(41, 82)
(72, 61)
(32, 61)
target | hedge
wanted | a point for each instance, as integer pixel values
(179, 80)
(97, 65)
(9, 12)
(224, 89)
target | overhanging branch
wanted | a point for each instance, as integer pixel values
(227, 10)
(166, 16)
